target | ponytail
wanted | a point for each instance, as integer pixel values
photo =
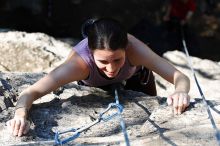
(87, 26)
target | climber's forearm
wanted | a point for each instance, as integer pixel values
(24, 104)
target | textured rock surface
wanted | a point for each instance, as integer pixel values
(149, 120)
(30, 52)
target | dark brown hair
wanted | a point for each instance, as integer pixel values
(105, 33)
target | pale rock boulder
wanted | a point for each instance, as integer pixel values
(30, 52)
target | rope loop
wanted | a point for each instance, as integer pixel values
(61, 142)
(109, 117)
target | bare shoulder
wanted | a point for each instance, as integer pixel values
(137, 51)
(131, 50)
(77, 65)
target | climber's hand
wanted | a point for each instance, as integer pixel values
(19, 125)
(180, 101)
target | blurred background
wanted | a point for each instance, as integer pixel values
(143, 18)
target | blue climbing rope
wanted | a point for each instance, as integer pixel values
(102, 117)
(217, 132)
(122, 123)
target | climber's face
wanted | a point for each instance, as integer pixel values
(109, 62)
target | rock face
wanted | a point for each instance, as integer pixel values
(148, 119)
(30, 52)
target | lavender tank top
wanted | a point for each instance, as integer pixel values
(95, 79)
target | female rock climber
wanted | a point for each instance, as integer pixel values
(107, 55)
